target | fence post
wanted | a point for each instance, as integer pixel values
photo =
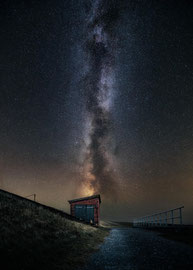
(172, 213)
(180, 216)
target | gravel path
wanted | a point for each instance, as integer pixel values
(126, 249)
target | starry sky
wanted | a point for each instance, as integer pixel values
(96, 97)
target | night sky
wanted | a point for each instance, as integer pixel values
(97, 97)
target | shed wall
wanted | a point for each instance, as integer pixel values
(94, 201)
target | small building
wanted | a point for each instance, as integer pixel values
(86, 209)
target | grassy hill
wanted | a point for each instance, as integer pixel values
(34, 237)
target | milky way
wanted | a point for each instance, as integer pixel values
(96, 96)
(99, 90)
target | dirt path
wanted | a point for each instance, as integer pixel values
(130, 249)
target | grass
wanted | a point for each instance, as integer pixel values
(32, 237)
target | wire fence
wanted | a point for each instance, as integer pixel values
(166, 218)
(32, 195)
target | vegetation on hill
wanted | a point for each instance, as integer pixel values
(32, 237)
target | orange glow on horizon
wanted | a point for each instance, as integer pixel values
(87, 188)
(87, 191)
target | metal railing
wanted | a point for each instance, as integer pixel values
(160, 219)
(34, 195)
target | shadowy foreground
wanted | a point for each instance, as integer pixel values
(32, 237)
(182, 234)
(138, 249)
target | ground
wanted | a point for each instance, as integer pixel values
(32, 237)
(138, 249)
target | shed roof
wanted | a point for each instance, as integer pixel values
(86, 198)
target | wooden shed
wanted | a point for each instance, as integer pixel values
(86, 208)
